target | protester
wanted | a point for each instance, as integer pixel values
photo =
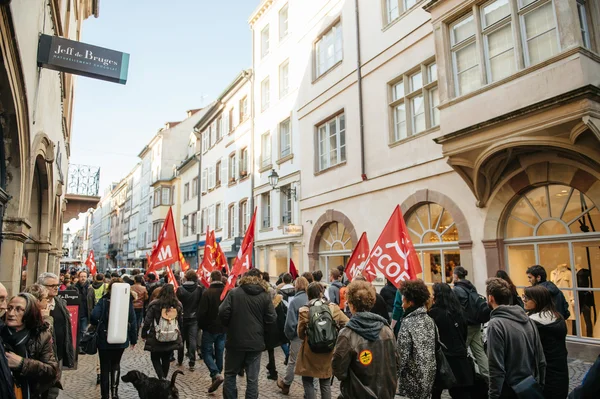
(466, 292)
(388, 293)
(590, 386)
(516, 298)
(64, 352)
(416, 343)
(309, 364)
(213, 332)
(397, 313)
(28, 345)
(336, 285)
(514, 348)
(343, 277)
(165, 306)
(40, 293)
(318, 276)
(447, 313)
(537, 276)
(379, 308)
(308, 276)
(287, 291)
(189, 294)
(291, 332)
(66, 283)
(82, 286)
(246, 311)
(152, 283)
(552, 330)
(276, 335)
(153, 297)
(365, 358)
(96, 291)
(6, 380)
(110, 354)
(142, 297)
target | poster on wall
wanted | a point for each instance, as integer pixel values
(73, 301)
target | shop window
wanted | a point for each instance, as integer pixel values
(335, 247)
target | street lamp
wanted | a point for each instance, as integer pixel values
(274, 180)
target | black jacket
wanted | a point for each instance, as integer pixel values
(558, 298)
(153, 316)
(515, 350)
(380, 307)
(388, 292)
(208, 315)
(83, 296)
(462, 289)
(590, 386)
(246, 311)
(6, 380)
(189, 294)
(553, 334)
(99, 318)
(66, 353)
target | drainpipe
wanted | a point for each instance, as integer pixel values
(251, 80)
(361, 123)
(198, 157)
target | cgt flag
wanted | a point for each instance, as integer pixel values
(91, 263)
(356, 263)
(221, 260)
(184, 265)
(394, 254)
(243, 261)
(166, 251)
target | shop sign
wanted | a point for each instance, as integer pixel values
(64, 55)
(292, 230)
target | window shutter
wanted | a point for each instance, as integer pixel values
(225, 124)
(225, 213)
(236, 219)
(224, 168)
(222, 215)
(211, 217)
(204, 180)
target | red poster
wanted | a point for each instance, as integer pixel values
(74, 312)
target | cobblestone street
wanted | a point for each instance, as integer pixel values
(82, 382)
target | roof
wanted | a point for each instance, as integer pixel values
(259, 11)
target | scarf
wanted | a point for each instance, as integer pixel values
(16, 342)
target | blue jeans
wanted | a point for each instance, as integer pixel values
(286, 349)
(213, 346)
(83, 325)
(139, 316)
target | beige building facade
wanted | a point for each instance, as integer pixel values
(478, 118)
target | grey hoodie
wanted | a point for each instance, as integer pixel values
(334, 292)
(514, 349)
(367, 325)
(291, 322)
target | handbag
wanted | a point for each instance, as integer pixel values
(528, 389)
(444, 377)
(89, 341)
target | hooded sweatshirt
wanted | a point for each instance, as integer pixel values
(367, 325)
(514, 349)
(190, 294)
(558, 298)
(291, 321)
(334, 292)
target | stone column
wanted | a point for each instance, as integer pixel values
(15, 232)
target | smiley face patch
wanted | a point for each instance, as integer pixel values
(365, 357)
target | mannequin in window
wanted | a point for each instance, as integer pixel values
(586, 298)
(561, 277)
(436, 273)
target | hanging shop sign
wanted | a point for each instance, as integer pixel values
(83, 59)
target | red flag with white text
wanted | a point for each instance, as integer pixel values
(356, 263)
(91, 263)
(243, 261)
(394, 254)
(166, 251)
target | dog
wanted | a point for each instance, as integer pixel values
(150, 387)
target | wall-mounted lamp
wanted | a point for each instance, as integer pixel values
(274, 180)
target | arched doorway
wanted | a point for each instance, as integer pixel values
(335, 247)
(435, 236)
(557, 226)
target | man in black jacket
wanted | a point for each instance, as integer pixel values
(213, 332)
(82, 286)
(246, 312)
(537, 276)
(189, 294)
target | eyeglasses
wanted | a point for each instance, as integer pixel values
(52, 285)
(525, 299)
(16, 309)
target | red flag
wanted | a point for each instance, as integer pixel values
(293, 270)
(167, 250)
(172, 278)
(394, 254)
(356, 263)
(221, 260)
(208, 263)
(184, 265)
(243, 261)
(91, 263)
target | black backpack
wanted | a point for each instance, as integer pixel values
(322, 329)
(478, 307)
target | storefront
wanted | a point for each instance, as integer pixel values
(275, 257)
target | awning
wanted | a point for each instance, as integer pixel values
(192, 247)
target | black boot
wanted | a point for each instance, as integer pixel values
(97, 379)
(115, 375)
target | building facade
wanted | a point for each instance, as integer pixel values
(35, 127)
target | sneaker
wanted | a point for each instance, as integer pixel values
(192, 367)
(285, 389)
(217, 381)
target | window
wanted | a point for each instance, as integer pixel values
(498, 40)
(232, 168)
(231, 220)
(286, 205)
(265, 150)
(219, 216)
(211, 217)
(166, 196)
(192, 222)
(283, 22)
(205, 141)
(186, 191)
(218, 173)
(243, 109)
(244, 216)
(203, 220)
(265, 88)
(265, 203)
(284, 79)
(415, 95)
(539, 31)
(583, 22)
(186, 226)
(332, 142)
(464, 55)
(264, 42)
(156, 227)
(230, 120)
(211, 177)
(212, 134)
(328, 49)
(285, 138)
(219, 129)
(244, 162)
(395, 8)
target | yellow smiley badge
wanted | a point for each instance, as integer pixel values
(365, 357)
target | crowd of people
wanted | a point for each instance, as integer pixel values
(415, 341)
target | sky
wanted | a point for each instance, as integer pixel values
(183, 54)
